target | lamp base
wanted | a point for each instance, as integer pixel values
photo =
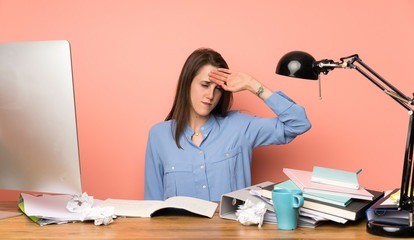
(390, 230)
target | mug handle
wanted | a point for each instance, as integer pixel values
(299, 201)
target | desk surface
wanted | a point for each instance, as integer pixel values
(171, 226)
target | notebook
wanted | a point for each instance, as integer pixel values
(335, 177)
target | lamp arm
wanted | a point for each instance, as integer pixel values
(406, 197)
(406, 194)
(395, 95)
(397, 92)
(324, 66)
(401, 99)
(407, 182)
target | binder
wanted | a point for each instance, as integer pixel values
(385, 212)
(230, 201)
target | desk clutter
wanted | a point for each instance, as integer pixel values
(57, 209)
(322, 201)
(386, 210)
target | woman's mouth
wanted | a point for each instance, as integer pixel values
(206, 103)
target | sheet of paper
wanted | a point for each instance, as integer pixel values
(390, 202)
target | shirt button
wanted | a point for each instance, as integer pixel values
(227, 154)
(202, 128)
(205, 135)
(204, 186)
(202, 166)
(201, 151)
(172, 168)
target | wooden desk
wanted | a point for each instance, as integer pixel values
(171, 226)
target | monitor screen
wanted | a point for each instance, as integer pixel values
(38, 133)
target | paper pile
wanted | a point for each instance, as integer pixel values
(48, 209)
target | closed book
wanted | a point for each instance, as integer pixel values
(335, 200)
(303, 179)
(335, 177)
(354, 211)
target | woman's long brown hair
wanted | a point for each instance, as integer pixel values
(180, 111)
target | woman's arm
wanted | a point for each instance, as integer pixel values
(154, 188)
(291, 118)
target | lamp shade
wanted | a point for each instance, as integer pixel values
(297, 64)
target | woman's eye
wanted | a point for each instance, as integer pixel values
(204, 85)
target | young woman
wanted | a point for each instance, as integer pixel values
(202, 149)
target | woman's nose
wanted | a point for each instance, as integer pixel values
(210, 94)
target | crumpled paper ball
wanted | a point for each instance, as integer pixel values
(101, 215)
(82, 203)
(250, 213)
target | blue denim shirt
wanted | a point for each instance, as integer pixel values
(222, 162)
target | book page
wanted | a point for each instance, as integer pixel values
(144, 208)
(132, 208)
(194, 205)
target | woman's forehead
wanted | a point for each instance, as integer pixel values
(203, 71)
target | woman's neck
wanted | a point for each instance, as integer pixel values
(197, 121)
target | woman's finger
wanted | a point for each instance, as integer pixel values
(218, 76)
(217, 81)
(224, 70)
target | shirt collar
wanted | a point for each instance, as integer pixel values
(205, 129)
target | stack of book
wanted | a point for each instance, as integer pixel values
(327, 196)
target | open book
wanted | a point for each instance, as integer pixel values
(145, 208)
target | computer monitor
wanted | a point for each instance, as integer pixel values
(38, 132)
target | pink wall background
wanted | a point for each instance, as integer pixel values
(127, 56)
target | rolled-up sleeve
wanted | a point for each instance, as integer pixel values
(291, 121)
